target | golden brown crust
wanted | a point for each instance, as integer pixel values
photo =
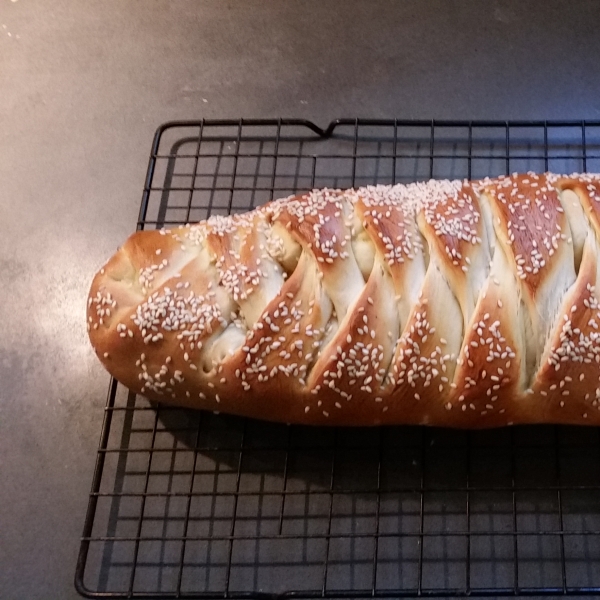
(449, 303)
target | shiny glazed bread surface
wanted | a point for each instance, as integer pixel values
(448, 303)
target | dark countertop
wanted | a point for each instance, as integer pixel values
(84, 86)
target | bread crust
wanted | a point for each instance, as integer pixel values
(448, 303)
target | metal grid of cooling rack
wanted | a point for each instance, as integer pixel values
(187, 504)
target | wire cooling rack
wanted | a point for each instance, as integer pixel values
(188, 504)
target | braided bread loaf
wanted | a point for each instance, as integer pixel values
(448, 303)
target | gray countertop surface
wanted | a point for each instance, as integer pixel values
(83, 86)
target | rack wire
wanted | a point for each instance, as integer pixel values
(189, 504)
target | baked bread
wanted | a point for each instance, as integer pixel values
(447, 303)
